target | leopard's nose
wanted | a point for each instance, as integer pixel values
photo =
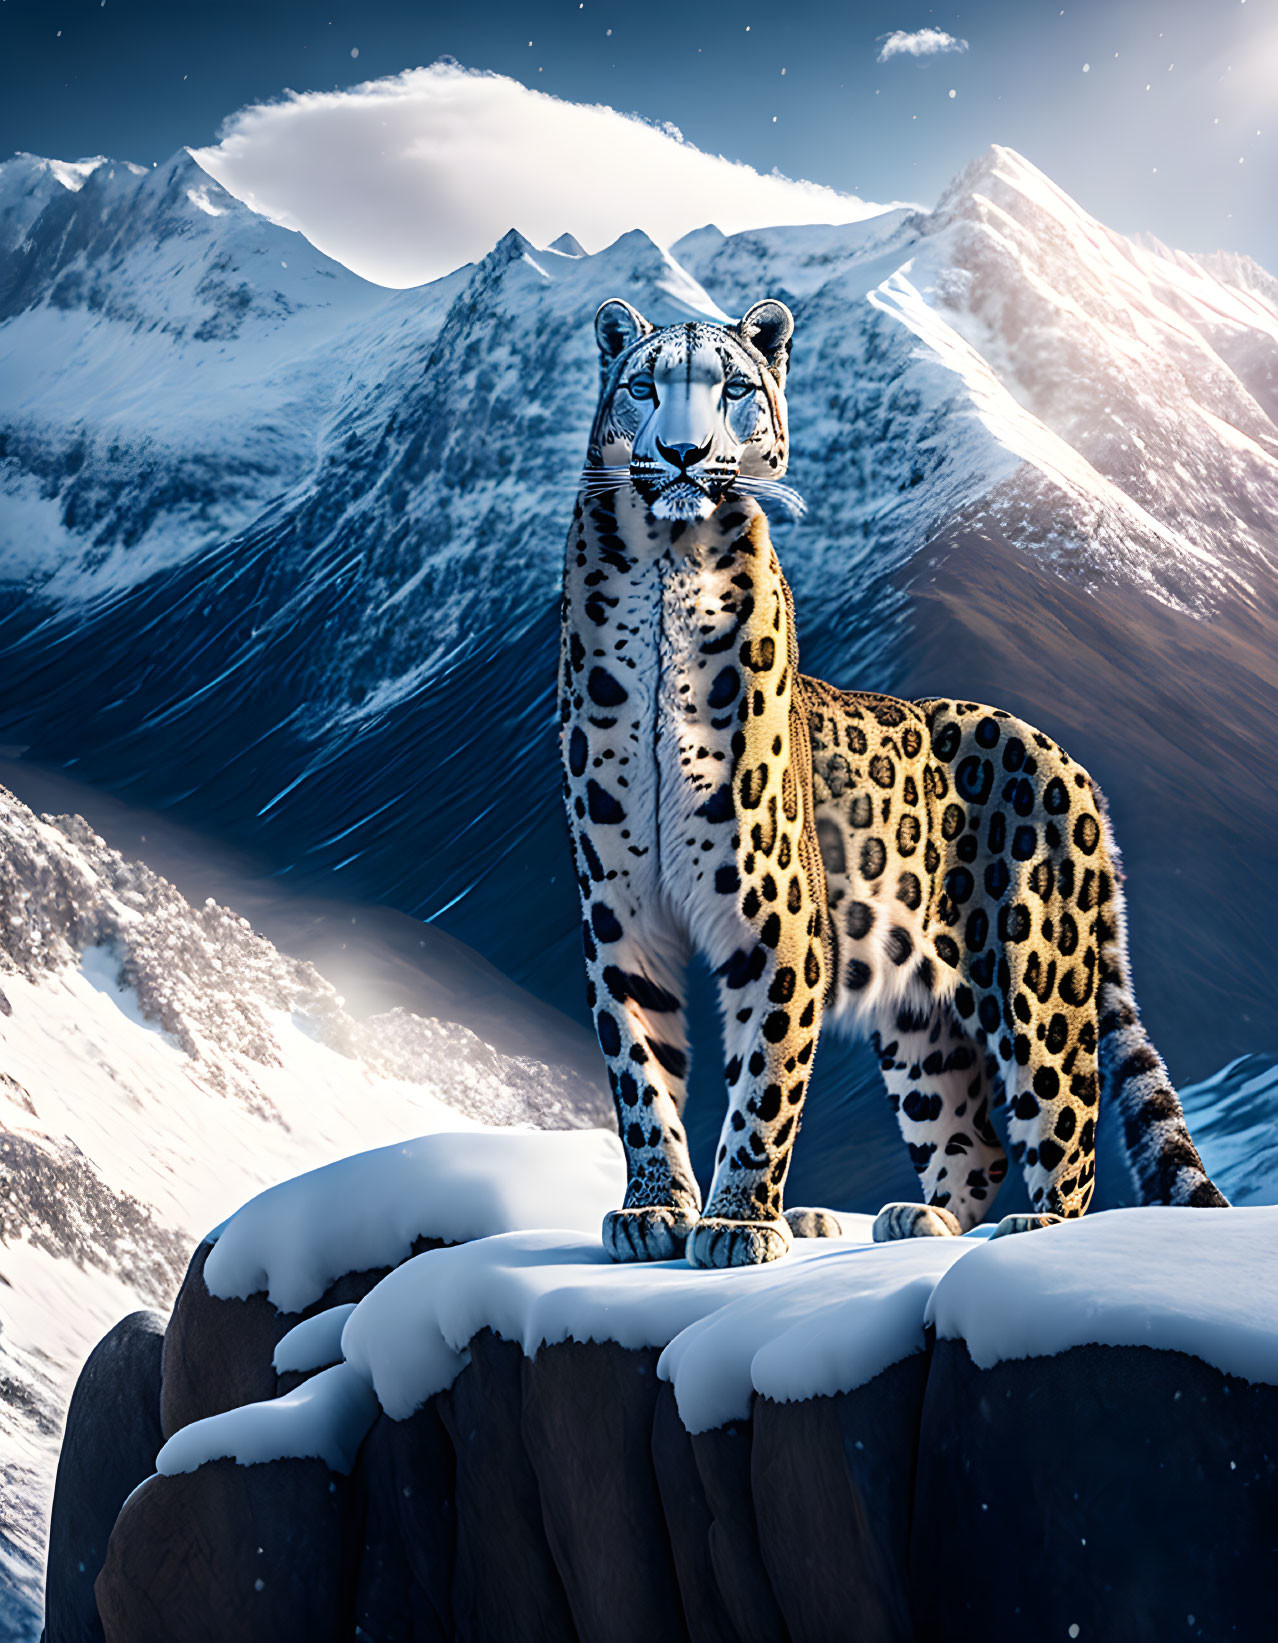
(683, 456)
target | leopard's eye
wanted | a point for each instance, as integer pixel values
(642, 386)
(738, 388)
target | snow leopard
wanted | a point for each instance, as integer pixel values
(936, 875)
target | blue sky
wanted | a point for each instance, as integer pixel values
(1155, 116)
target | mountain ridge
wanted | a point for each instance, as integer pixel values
(343, 543)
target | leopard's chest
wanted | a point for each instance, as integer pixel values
(656, 693)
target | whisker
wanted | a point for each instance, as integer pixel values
(772, 490)
(782, 492)
(604, 479)
(749, 483)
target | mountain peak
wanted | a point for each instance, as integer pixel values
(635, 240)
(568, 245)
(1006, 180)
(699, 242)
(1240, 271)
(509, 248)
(70, 173)
(997, 166)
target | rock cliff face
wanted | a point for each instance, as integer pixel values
(879, 1444)
(111, 1440)
(560, 1497)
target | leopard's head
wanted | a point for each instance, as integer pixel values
(691, 412)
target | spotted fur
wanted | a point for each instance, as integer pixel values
(938, 874)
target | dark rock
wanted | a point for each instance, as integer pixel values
(688, 1519)
(218, 1354)
(833, 1479)
(404, 1484)
(723, 1461)
(506, 1588)
(587, 1428)
(260, 1554)
(560, 1500)
(110, 1444)
(1117, 1489)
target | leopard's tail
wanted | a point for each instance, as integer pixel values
(1134, 1084)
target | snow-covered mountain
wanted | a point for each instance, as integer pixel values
(280, 548)
(160, 1062)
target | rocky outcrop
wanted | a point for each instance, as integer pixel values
(559, 1499)
(262, 1554)
(1127, 1492)
(110, 1444)
(587, 1428)
(722, 1458)
(406, 1513)
(689, 1522)
(832, 1480)
(997, 1482)
(218, 1353)
(519, 1595)
(795, 1524)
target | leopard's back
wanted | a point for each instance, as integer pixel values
(971, 869)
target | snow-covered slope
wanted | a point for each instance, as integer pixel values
(1005, 351)
(1090, 364)
(166, 363)
(160, 1062)
(1163, 461)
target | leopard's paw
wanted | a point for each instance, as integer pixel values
(814, 1223)
(1024, 1223)
(914, 1221)
(656, 1233)
(716, 1241)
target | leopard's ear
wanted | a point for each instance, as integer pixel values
(617, 325)
(769, 327)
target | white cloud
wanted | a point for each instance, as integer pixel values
(406, 178)
(921, 43)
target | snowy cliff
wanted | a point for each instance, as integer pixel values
(862, 1443)
(161, 1062)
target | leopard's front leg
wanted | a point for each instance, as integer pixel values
(770, 993)
(636, 980)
